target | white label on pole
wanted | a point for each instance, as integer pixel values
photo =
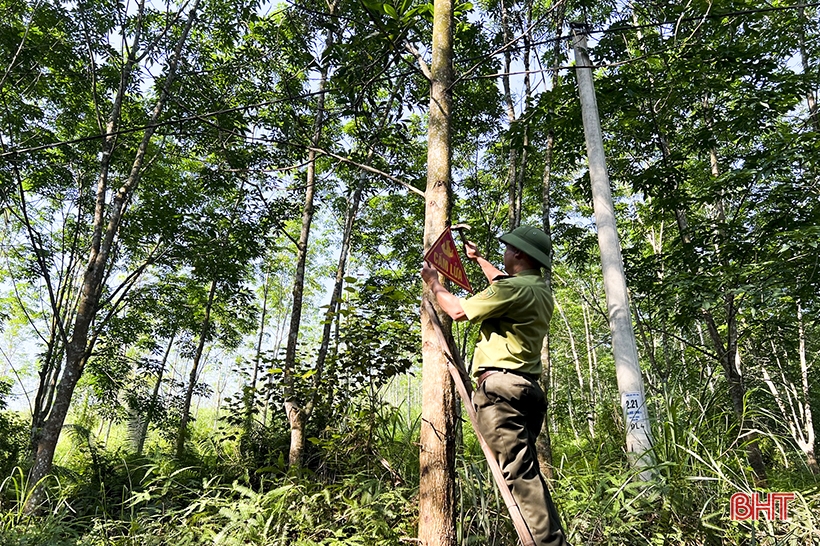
(638, 432)
(635, 411)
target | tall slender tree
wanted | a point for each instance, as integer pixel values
(437, 458)
(110, 206)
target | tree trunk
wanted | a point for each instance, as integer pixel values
(592, 364)
(332, 312)
(808, 445)
(514, 215)
(336, 296)
(277, 345)
(728, 351)
(293, 407)
(43, 400)
(152, 405)
(727, 355)
(797, 416)
(189, 392)
(811, 97)
(250, 392)
(62, 314)
(353, 203)
(577, 361)
(521, 169)
(544, 441)
(437, 438)
(107, 219)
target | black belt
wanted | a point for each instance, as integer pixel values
(487, 372)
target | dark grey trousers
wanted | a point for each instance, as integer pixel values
(511, 410)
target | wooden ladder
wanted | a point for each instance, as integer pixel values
(465, 389)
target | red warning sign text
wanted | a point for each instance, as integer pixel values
(444, 257)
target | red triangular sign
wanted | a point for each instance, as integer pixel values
(443, 256)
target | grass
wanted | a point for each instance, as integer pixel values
(360, 488)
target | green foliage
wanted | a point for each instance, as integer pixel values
(603, 501)
(13, 434)
(13, 441)
(359, 496)
(377, 343)
(353, 511)
(713, 154)
(363, 486)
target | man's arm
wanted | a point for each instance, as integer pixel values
(449, 303)
(490, 271)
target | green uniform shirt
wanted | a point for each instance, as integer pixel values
(515, 314)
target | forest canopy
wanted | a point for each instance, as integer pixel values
(213, 221)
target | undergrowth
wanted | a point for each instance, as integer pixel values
(360, 482)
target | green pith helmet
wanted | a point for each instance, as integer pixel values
(531, 241)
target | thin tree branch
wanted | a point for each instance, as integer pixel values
(425, 69)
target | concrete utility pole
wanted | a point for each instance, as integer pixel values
(624, 348)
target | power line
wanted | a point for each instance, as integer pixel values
(512, 45)
(622, 28)
(707, 16)
(156, 125)
(625, 28)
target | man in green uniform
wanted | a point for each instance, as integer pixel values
(514, 312)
